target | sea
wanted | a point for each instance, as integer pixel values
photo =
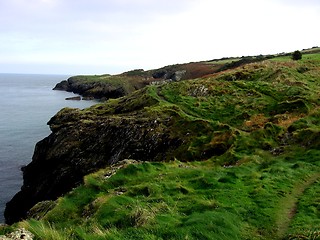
(27, 102)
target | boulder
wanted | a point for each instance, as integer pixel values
(77, 98)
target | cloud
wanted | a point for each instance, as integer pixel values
(123, 34)
(226, 28)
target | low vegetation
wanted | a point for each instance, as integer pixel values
(176, 200)
(248, 167)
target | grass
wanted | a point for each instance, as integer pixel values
(288, 206)
(305, 58)
(248, 167)
(128, 83)
(223, 61)
(176, 200)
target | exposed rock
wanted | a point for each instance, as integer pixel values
(178, 75)
(78, 146)
(18, 235)
(162, 73)
(93, 89)
(87, 98)
(169, 74)
(41, 209)
(63, 86)
(77, 98)
(160, 82)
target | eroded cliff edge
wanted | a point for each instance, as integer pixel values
(258, 107)
(108, 86)
(83, 141)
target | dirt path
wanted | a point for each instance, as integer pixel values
(288, 205)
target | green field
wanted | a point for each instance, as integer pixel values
(305, 58)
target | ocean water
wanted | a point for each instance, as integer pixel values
(27, 102)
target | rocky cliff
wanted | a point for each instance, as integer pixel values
(100, 87)
(114, 86)
(231, 114)
(84, 141)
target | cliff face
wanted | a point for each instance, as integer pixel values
(92, 89)
(78, 146)
(83, 141)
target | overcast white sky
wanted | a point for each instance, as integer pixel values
(112, 36)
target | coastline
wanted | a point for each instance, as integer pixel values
(27, 103)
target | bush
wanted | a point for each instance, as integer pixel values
(296, 55)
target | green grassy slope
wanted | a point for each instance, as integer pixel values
(129, 83)
(100, 86)
(250, 165)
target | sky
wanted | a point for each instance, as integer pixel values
(113, 36)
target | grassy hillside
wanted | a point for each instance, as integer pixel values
(248, 168)
(113, 86)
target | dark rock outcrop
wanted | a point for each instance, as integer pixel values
(81, 143)
(96, 90)
(63, 86)
(170, 74)
(77, 98)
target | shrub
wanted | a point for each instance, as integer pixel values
(296, 55)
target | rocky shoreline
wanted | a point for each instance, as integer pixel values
(82, 142)
(114, 86)
(96, 90)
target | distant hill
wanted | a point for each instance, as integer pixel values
(113, 86)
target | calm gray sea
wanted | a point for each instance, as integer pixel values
(27, 102)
